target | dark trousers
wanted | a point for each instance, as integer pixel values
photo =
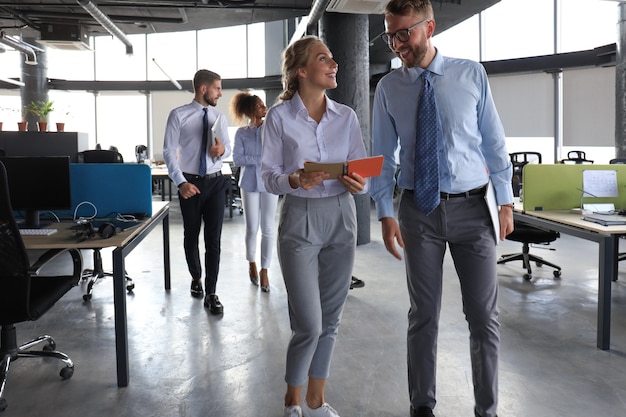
(207, 207)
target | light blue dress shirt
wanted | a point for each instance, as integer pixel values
(247, 155)
(291, 138)
(472, 146)
(183, 141)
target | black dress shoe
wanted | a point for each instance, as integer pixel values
(422, 412)
(213, 304)
(196, 288)
(356, 283)
(478, 415)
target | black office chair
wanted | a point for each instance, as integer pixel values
(26, 293)
(525, 233)
(100, 156)
(576, 157)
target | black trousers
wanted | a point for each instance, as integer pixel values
(207, 207)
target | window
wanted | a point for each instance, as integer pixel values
(518, 28)
(174, 52)
(586, 24)
(460, 41)
(223, 51)
(112, 63)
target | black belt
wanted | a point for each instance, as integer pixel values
(199, 177)
(475, 191)
(447, 196)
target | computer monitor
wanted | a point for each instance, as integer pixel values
(38, 183)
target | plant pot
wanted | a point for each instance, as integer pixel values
(21, 126)
(60, 127)
(43, 126)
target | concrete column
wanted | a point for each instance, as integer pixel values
(620, 84)
(347, 37)
(35, 79)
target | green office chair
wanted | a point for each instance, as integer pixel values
(26, 292)
(525, 233)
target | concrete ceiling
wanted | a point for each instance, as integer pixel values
(28, 17)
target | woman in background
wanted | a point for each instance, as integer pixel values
(259, 206)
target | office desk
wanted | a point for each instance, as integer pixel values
(607, 238)
(123, 243)
(159, 174)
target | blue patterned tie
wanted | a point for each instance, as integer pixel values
(205, 142)
(426, 180)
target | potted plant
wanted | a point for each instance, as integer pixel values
(61, 125)
(41, 109)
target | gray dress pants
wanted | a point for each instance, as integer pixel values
(316, 247)
(463, 224)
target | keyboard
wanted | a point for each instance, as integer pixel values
(37, 232)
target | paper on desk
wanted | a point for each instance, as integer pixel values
(600, 183)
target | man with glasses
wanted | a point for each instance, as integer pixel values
(440, 112)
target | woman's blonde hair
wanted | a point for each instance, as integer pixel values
(295, 56)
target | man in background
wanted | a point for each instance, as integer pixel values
(194, 162)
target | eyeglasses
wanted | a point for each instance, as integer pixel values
(402, 35)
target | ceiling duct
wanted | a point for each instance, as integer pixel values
(106, 23)
(19, 45)
(357, 6)
(64, 36)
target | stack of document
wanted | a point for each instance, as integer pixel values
(605, 219)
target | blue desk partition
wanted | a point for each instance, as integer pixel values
(558, 186)
(112, 188)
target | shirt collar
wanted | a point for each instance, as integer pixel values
(436, 67)
(198, 105)
(297, 106)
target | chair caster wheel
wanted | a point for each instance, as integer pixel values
(87, 297)
(66, 373)
(556, 274)
(130, 287)
(50, 347)
(527, 277)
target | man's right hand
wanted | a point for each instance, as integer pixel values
(187, 190)
(391, 233)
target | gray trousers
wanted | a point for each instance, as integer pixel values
(316, 247)
(465, 226)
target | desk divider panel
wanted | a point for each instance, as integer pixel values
(558, 186)
(112, 188)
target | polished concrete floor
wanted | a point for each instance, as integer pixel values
(186, 362)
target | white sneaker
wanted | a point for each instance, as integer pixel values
(292, 411)
(324, 410)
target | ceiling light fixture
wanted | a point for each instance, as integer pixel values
(106, 23)
(173, 81)
(27, 49)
